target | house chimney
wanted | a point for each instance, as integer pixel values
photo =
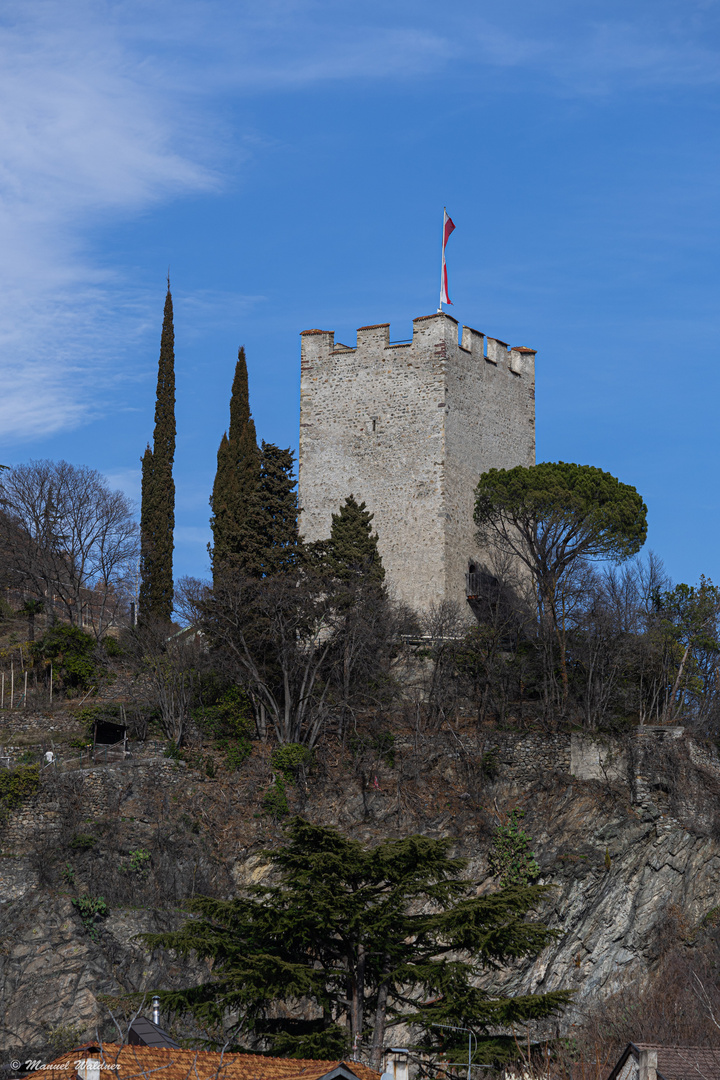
(89, 1069)
(156, 1014)
(396, 1064)
(648, 1065)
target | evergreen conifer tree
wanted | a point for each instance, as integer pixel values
(375, 938)
(353, 550)
(157, 515)
(279, 509)
(236, 520)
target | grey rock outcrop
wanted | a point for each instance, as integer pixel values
(626, 833)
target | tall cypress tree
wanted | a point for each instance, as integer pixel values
(278, 495)
(236, 520)
(353, 548)
(157, 514)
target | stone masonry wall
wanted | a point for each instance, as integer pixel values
(408, 427)
(490, 424)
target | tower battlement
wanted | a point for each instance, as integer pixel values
(409, 426)
(434, 329)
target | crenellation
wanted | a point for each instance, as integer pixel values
(408, 427)
(522, 360)
(473, 341)
(497, 351)
(377, 337)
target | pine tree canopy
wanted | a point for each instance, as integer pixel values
(236, 520)
(353, 548)
(551, 514)
(373, 937)
(157, 514)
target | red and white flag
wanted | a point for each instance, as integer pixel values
(448, 227)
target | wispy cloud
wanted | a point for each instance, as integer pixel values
(108, 108)
(82, 136)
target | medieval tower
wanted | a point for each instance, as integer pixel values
(408, 427)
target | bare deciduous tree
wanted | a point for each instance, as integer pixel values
(171, 668)
(277, 634)
(64, 533)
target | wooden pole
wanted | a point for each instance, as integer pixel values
(12, 683)
(25, 691)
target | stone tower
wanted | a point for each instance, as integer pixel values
(408, 427)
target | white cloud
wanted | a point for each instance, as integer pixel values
(108, 107)
(82, 135)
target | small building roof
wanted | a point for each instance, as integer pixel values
(673, 1062)
(141, 1062)
(144, 1032)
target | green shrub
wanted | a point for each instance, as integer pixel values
(289, 759)
(83, 842)
(112, 647)
(275, 800)
(73, 654)
(382, 744)
(228, 725)
(18, 784)
(490, 764)
(91, 910)
(172, 750)
(511, 859)
(64, 1037)
(236, 755)
(138, 863)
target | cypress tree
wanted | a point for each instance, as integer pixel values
(236, 520)
(157, 514)
(353, 549)
(280, 538)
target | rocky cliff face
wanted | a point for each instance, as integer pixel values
(626, 831)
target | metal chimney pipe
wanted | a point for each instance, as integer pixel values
(156, 1010)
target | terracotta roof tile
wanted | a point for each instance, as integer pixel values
(156, 1063)
(435, 315)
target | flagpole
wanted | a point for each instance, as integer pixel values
(442, 260)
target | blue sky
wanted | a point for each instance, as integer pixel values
(289, 162)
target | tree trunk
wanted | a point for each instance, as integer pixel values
(357, 998)
(378, 1038)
